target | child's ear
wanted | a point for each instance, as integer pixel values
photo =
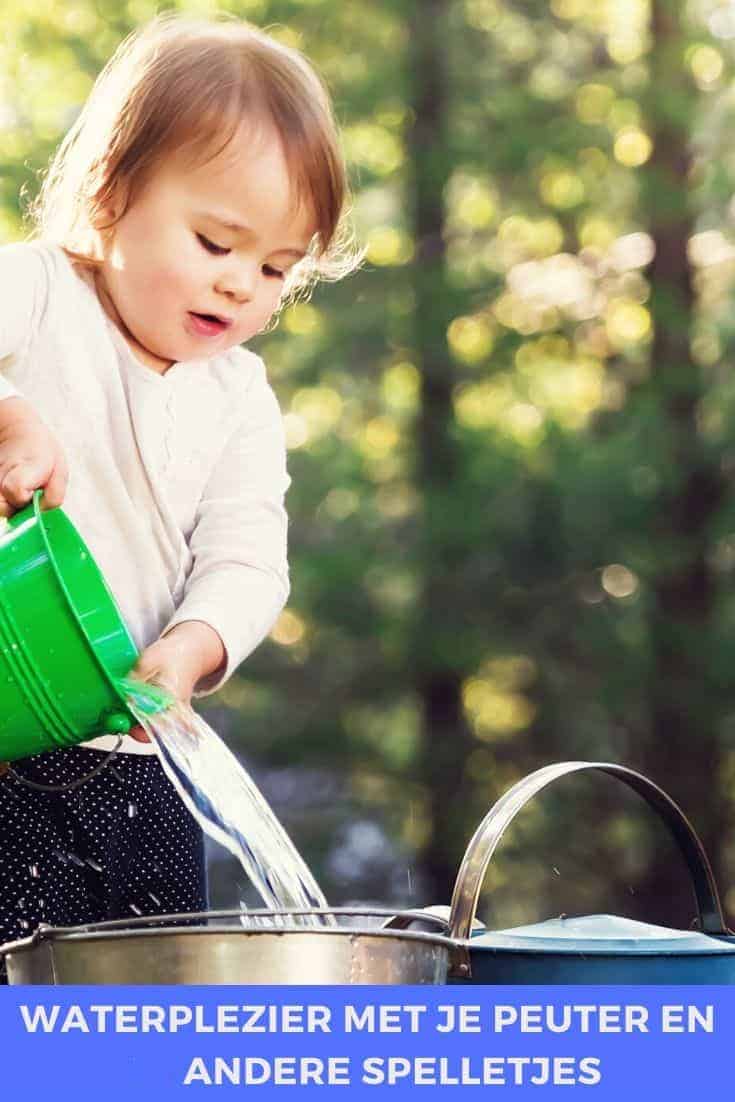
(108, 208)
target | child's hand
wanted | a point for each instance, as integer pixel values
(178, 661)
(31, 458)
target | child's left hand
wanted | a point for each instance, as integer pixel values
(178, 661)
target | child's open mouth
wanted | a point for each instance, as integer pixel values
(208, 325)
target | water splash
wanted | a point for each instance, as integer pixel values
(229, 807)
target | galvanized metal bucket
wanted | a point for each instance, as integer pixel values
(355, 948)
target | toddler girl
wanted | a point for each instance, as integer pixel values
(201, 184)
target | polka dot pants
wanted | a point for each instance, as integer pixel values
(122, 844)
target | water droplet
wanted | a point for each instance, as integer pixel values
(134, 909)
(75, 859)
(33, 870)
(155, 899)
(132, 810)
(94, 864)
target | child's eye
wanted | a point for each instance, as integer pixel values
(210, 246)
(272, 273)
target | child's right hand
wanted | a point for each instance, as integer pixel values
(31, 458)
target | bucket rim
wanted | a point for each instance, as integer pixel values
(150, 926)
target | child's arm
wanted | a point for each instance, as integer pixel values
(239, 580)
(30, 458)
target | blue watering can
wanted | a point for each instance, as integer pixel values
(596, 949)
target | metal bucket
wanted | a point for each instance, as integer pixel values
(153, 951)
(595, 949)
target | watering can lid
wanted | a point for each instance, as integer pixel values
(599, 934)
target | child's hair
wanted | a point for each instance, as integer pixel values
(182, 83)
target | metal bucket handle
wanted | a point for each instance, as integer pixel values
(487, 836)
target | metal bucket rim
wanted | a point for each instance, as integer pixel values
(564, 955)
(144, 927)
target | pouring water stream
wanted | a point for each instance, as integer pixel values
(225, 802)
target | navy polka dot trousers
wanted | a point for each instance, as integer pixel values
(120, 845)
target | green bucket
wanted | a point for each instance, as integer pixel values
(64, 646)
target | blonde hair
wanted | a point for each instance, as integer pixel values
(187, 84)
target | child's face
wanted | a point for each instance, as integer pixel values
(179, 281)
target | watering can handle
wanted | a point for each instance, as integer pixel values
(487, 836)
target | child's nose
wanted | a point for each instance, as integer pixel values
(237, 283)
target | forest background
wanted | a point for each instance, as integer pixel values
(511, 438)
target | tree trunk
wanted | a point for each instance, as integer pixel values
(683, 753)
(445, 737)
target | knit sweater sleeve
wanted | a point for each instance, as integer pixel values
(24, 285)
(239, 581)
